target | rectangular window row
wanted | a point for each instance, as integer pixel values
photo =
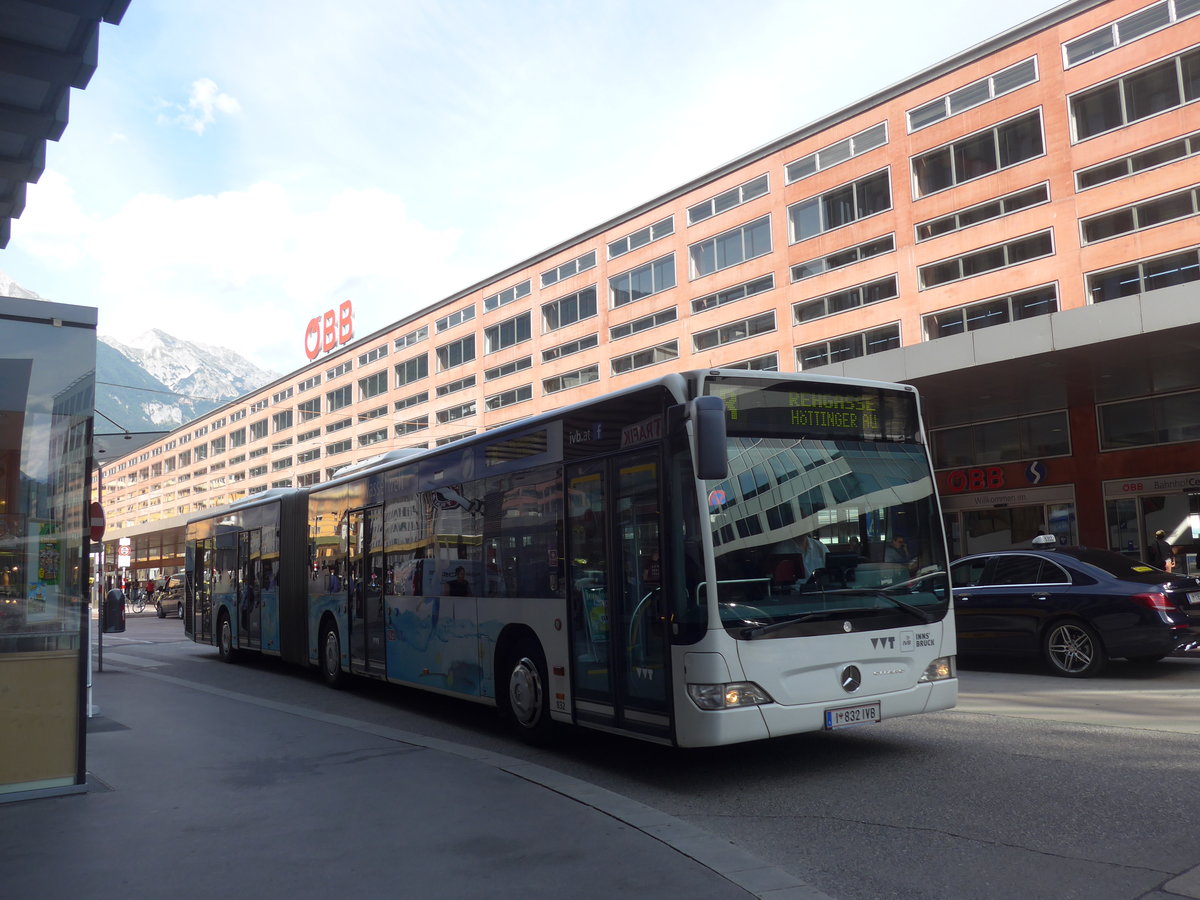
(1136, 95)
(412, 370)
(1006, 440)
(509, 398)
(850, 298)
(372, 355)
(996, 311)
(727, 200)
(840, 206)
(733, 294)
(1140, 216)
(413, 337)
(827, 157)
(650, 356)
(569, 380)
(763, 323)
(1145, 275)
(637, 284)
(983, 212)
(509, 368)
(466, 314)
(495, 301)
(732, 247)
(849, 346)
(641, 237)
(1150, 421)
(645, 323)
(507, 333)
(1150, 158)
(982, 153)
(570, 347)
(567, 269)
(842, 258)
(989, 259)
(1130, 28)
(569, 309)
(453, 387)
(974, 94)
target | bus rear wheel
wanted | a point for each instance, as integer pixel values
(225, 648)
(331, 656)
(527, 694)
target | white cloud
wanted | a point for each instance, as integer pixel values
(205, 102)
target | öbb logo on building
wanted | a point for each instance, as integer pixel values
(331, 330)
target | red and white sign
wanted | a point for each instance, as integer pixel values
(325, 333)
(96, 514)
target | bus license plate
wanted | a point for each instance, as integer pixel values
(846, 716)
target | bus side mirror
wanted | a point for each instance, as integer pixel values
(712, 457)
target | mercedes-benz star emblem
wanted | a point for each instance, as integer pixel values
(851, 679)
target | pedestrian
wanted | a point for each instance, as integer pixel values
(1161, 554)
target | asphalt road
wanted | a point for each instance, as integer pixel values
(1035, 786)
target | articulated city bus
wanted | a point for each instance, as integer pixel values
(712, 557)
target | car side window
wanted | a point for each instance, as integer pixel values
(968, 573)
(1052, 573)
(1015, 569)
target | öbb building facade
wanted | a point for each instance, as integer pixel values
(1015, 231)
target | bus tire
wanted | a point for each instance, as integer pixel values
(527, 691)
(330, 656)
(225, 648)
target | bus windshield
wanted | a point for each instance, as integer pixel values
(811, 532)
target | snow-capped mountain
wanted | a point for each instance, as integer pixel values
(9, 288)
(189, 379)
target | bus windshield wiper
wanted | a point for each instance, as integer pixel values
(760, 630)
(921, 614)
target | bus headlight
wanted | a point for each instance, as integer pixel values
(728, 696)
(938, 670)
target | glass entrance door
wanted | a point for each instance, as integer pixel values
(618, 637)
(249, 603)
(364, 586)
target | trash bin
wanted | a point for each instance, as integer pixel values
(112, 619)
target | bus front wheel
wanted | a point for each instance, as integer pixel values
(528, 695)
(331, 656)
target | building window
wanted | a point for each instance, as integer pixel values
(842, 258)
(281, 396)
(1130, 28)
(309, 409)
(727, 200)
(840, 206)
(732, 247)
(642, 237)
(516, 292)
(373, 413)
(508, 398)
(201, 452)
(1140, 216)
(412, 370)
(974, 94)
(1150, 421)
(733, 294)
(279, 465)
(339, 399)
(827, 157)
(847, 347)
(338, 370)
(217, 445)
(338, 447)
(511, 368)
(996, 311)
(577, 346)
(256, 406)
(1151, 158)
(1138, 95)
(414, 400)
(768, 363)
(373, 385)
(989, 259)
(258, 430)
(280, 445)
(338, 426)
(640, 359)
(309, 383)
(308, 455)
(983, 212)
(237, 438)
(456, 353)
(850, 298)
(508, 333)
(1143, 276)
(643, 324)
(1007, 440)
(567, 269)
(372, 437)
(568, 380)
(372, 355)
(466, 314)
(454, 387)
(636, 284)
(413, 337)
(308, 479)
(569, 309)
(307, 436)
(442, 442)
(734, 331)
(982, 153)
(257, 471)
(454, 413)
(412, 425)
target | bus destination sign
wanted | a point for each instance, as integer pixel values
(864, 414)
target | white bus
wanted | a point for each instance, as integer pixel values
(712, 557)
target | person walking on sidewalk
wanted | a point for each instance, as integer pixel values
(1160, 554)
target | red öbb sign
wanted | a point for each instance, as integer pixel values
(326, 332)
(988, 478)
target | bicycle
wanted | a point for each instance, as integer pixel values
(136, 600)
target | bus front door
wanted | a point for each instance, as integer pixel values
(364, 586)
(249, 597)
(619, 639)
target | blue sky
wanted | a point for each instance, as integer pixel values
(237, 167)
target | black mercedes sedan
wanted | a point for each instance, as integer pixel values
(1077, 607)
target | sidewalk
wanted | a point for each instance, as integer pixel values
(198, 792)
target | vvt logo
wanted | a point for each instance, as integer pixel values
(884, 643)
(1035, 473)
